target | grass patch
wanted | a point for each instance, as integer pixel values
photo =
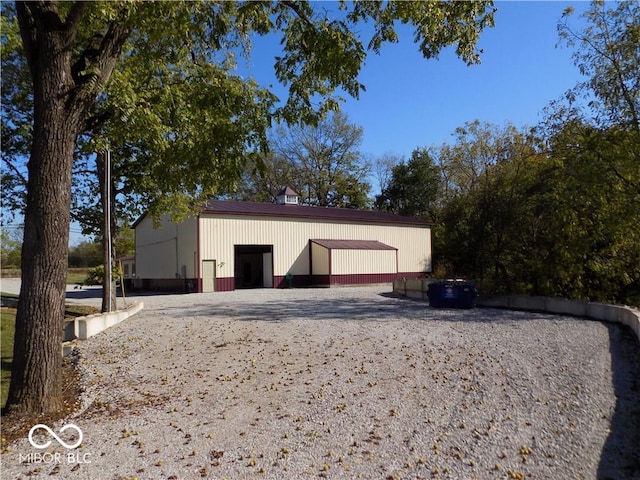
(16, 426)
(77, 277)
(7, 332)
(74, 275)
(72, 310)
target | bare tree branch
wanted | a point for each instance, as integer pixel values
(16, 171)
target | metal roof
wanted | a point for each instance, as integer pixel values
(353, 244)
(233, 207)
(287, 191)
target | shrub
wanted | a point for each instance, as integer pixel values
(95, 276)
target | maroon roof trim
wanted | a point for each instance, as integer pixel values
(233, 207)
(353, 245)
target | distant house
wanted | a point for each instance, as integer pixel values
(128, 264)
(232, 244)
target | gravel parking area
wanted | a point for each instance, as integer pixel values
(348, 383)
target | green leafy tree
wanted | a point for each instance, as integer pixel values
(262, 179)
(325, 165)
(74, 49)
(321, 162)
(125, 241)
(414, 187)
(85, 254)
(594, 149)
(11, 248)
(544, 216)
(590, 241)
(89, 253)
(16, 114)
(485, 178)
(607, 53)
(541, 216)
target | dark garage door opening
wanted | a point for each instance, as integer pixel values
(253, 266)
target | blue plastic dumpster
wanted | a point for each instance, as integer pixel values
(452, 294)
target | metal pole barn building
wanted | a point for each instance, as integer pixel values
(233, 244)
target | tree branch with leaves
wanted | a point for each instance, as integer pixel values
(78, 52)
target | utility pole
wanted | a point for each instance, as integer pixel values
(107, 282)
(108, 225)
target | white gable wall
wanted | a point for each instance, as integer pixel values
(167, 252)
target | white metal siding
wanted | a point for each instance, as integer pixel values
(290, 240)
(320, 259)
(166, 252)
(187, 248)
(362, 261)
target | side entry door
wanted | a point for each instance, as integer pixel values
(208, 275)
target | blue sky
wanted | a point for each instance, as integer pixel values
(411, 102)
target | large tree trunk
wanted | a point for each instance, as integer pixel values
(37, 359)
(62, 96)
(36, 384)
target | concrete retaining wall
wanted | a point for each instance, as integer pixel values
(562, 306)
(85, 327)
(579, 308)
(412, 287)
(81, 328)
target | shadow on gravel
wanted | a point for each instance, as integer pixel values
(382, 308)
(96, 292)
(620, 458)
(83, 293)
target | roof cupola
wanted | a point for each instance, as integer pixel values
(287, 196)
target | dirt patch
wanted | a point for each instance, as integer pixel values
(17, 426)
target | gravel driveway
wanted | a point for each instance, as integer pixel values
(348, 383)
